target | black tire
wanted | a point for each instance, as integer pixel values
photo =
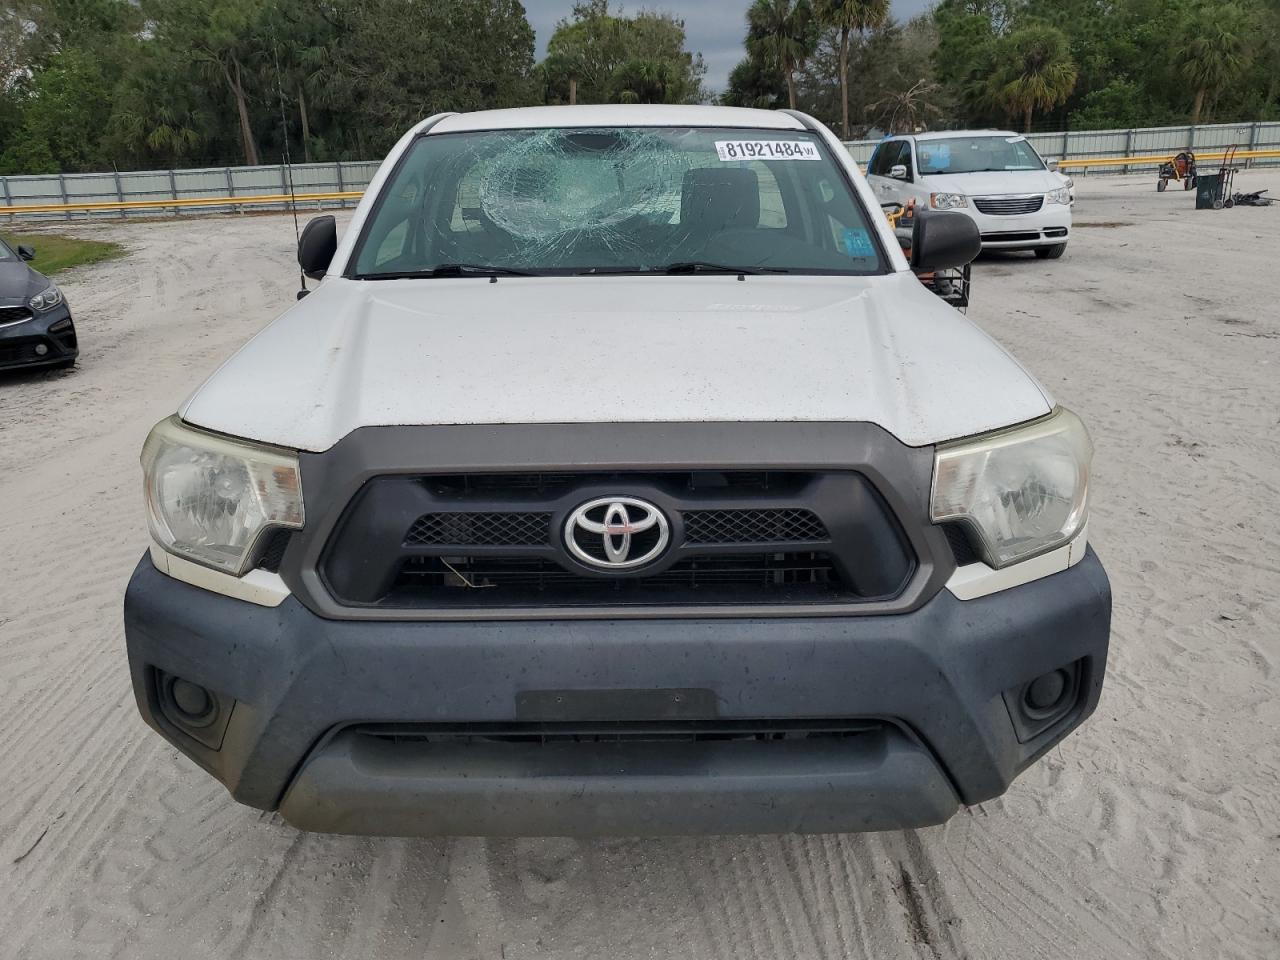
(1051, 253)
(1161, 184)
(1217, 204)
(1229, 202)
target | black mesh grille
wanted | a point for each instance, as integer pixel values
(753, 526)
(24, 351)
(775, 577)
(273, 551)
(14, 314)
(1008, 206)
(961, 545)
(736, 537)
(480, 529)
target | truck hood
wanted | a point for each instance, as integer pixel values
(993, 183)
(610, 349)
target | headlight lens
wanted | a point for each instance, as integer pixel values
(1061, 195)
(947, 201)
(46, 299)
(209, 498)
(1022, 491)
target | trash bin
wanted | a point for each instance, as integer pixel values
(1209, 191)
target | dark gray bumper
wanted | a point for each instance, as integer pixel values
(297, 690)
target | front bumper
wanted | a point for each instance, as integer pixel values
(1046, 227)
(32, 343)
(297, 695)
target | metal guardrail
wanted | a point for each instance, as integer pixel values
(1086, 163)
(338, 184)
(122, 205)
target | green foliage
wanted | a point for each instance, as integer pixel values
(1034, 71)
(610, 58)
(1214, 50)
(782, 34)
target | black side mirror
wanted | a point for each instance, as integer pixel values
(27, 253)
(943, 241)
(317, 245)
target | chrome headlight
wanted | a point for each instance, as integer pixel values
(46, 299)
(1061, 195)
(209, 497)
(947, 201)
(1021, 491)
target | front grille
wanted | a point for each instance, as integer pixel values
(459, 541)
(479, 529)
(1008, 206)
(523, 581)
(753, 526)
(14, 314)
(23, 351)
(1010, 236)
(536, 733)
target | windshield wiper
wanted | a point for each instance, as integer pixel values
(449, 270)
(702, 266)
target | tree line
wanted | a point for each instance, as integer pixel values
(136, 84)
(1047, 64)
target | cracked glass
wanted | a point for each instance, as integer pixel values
(617, 200)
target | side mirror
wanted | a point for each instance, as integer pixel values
(898, 172)
(1053, 166)
(317, 245)
(943, 241)
(27, 253)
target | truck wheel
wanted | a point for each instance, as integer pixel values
(1051, 253)
(1161, 184)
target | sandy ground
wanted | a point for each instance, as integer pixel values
(1153, 832)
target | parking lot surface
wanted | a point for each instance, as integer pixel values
(1152, 832)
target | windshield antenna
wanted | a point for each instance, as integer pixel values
(288, 165)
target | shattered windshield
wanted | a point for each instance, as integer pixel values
(977, 155)
(616, 200)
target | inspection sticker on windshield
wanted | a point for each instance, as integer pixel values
(766, 150)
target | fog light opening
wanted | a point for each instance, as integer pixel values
(1044, 695)
(190, 704)
(41, 349)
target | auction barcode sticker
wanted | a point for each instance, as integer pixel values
(767, 150)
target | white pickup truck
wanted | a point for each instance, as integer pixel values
(618, 477)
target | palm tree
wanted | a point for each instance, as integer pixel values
(1215, 52)
(1036, 72)
(848, 16)
(908, 109)
(781, 33)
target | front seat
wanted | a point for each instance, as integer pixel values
(715, 199)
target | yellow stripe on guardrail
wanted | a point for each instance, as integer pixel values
(248, 199)
(251, 199)
(1155, 159)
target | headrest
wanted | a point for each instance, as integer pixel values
(719, 197)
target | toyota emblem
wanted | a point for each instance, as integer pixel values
(617, 533)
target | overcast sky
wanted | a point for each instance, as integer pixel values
(714, 27)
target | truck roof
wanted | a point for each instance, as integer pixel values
(617, 115)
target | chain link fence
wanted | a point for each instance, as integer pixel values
(212, 183)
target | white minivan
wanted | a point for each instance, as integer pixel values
(994, 176)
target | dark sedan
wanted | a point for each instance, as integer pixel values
(35, 321)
